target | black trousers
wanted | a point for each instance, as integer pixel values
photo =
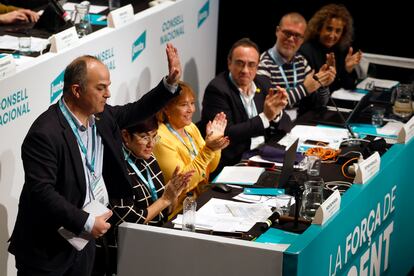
(81, 265)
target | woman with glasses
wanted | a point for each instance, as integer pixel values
(328, 39)
(152, 199)
(182, 144)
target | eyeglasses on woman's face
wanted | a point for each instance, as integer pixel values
(144, 139)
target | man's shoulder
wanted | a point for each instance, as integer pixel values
(220, 81)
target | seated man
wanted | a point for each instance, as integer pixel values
(253, 110)
(290, 70)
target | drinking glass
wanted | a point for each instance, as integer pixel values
(403, 103)
(312, 198)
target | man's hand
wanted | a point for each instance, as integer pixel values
(275, 102)
(101, 226)
(19, 16)
(174, 65)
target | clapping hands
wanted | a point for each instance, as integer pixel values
(215, 138)
(352, 59)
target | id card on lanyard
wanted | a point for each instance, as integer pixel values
(99, 191)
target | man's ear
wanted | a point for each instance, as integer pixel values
(76, 90)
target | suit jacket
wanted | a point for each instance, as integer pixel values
(55, 186)
(221, 95)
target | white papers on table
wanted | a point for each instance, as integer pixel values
(271, 201)
(380, 83)
(70, 6)
(239, 175)
(228, 216)
(95, 209)
(390, 129)
(331, 135)
(12, 42)
(348, 95)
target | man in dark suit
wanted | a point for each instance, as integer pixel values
(72, 156)
(253, 110)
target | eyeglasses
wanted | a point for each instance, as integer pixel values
(251, 65)
(144, 140)
(288, 34)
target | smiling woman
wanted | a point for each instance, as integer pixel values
(182, 145)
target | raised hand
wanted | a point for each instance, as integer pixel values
(218, 126)
(174, 64)
(352, 59)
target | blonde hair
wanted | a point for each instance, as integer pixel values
(186, 91)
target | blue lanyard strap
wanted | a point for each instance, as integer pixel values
(68, 117)
(272, 54)
(193, 152)
(147, 181)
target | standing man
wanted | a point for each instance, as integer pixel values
(290, 70)
(72, 156)
(253, 110)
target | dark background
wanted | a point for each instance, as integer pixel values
(380, 27)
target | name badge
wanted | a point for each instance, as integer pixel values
(406, 132)
(367, 168)
(63, 40)
(99, 191)
(121, 16)
(328, 208)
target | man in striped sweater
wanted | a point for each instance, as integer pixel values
(290, 70)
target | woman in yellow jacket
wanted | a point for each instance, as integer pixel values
(182, 145)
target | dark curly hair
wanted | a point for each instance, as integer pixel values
(326, 13)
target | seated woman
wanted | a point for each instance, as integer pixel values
(182, 144)
(152, 200)
(328, 39)
(12, 15)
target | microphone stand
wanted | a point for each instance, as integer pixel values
(296, 225)
(353, 141)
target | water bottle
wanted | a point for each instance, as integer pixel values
(189, 212)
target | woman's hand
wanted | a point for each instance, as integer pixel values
(177, 184)
(215, 139)
(352, 60)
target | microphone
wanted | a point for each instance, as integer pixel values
(260, 227)
(60, 11)
(315, 77)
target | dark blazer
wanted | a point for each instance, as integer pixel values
(54, 188)
(221, 95)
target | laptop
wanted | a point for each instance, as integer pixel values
(333, 118)
(275, 179)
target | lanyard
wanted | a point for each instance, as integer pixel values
(68, 117)
(193, 152)
(272, 54)
(148, 181)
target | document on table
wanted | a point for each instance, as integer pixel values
(70, 6)
(380, 83)
(347, 95)
(331, 135)
(239, 175)
(94, 208)
(228, 216)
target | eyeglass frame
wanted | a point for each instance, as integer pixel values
(251, 65)
(288, 34)
(144, 140)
